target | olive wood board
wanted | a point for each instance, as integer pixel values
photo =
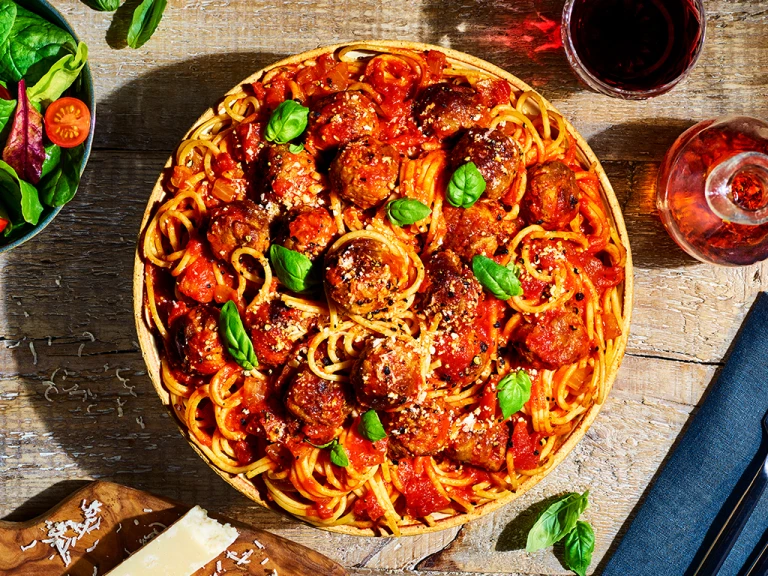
(128, 517)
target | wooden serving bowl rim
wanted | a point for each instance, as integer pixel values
(150, 350)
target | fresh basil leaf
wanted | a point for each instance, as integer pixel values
(145, 20)
(513, 391)
(31, 47)
(501, 281)
(579, 546)
(370, 426)
(466, 186)
(60, 77)
(292, 268)
(323, 446)
(295, 148)
(19, 196)
(556, 521)
(404, 211)
(239, 345)
(287, 122)
(339, 455)
(60, 185)
(103, 5)
(52, 159)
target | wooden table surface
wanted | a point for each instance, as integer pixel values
(67, 293)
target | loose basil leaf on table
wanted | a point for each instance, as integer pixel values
(513, 391)
(24, 150)
(501, 281)
(466, 186)
(103, 5)
(556, 521)
(288, 121)
(292, 268)
(60, 185)
(239, 345)
(404, 211)
(371, 428)
(145, 20)
(31, 46)
(60, 77)
(579, 546)
(18, 196)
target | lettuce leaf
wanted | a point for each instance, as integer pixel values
(18, 196)
(60, 77)
(24, 150)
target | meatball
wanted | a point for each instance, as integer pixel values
(239, 224)
(289, 180)
(444, 109)
(196, 338)
(557, 339)
(364, 276)
(552, 197)
(322, 404)
(198, 280)
(496, 156)
(463, 349)
(450, 287)
(388, 374)
(276, 330)
(479, 229)
(365, 172)
(309, 231)
(480, 445)
(341, 118)
(420, 430)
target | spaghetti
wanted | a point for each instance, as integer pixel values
(399, 324)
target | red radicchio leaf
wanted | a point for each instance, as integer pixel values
(24, 151)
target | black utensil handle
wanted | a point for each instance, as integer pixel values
(735, 524)
(760, 565)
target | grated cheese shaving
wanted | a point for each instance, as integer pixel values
(58, 537)
(34, 353)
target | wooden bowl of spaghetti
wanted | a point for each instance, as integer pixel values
(291, 431)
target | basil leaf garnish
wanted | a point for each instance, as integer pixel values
(144, 22)
(239, 345)
(579, 545)
(370, 426)
(292, 268)
(466, 186)
(501, 281)
(295, 148)
(513, 391)
(287, 122)
(404, 211)
(556, 521)
(337, 453)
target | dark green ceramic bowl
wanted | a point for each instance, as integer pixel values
(82, 90)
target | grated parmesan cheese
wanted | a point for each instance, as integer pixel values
(34, 353)
(28, 546)
(58, 537)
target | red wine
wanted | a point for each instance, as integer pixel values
(636, 45)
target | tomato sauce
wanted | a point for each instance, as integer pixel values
(421, 495)
(525, 446)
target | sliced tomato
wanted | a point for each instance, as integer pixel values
(67, 122)
(3, 224)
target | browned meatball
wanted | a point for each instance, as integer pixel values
(496, 156)
(479, 444)
(289, 180)
(444, 109)
(341, 118)
(365, 172)
(388, 374)
(479, 229)
(419, 430)
(556, 339)
(450, 287)
(552, 197)
(276, 330)
(322, 404)
(309, 231)
(364, 276)
(239, 224)
(462, 349)
(196, 337)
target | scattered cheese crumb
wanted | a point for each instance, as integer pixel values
(34, 353)
(148, 510)
(92, 548)
(28, 546)
(140, 422)
(259, 545)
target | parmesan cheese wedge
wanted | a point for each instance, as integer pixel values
(185, 547)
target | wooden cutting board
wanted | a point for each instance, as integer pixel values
(127, 519)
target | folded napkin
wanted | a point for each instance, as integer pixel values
(712, 457)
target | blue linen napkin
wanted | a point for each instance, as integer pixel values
(699, 477)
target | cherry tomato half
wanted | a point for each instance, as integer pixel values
(67, 122)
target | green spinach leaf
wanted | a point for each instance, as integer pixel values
(579, 546)
(60, 185)
(18, 196)
(60, 77)
(556, 521)
(7, 18)
(52, 159)
(145, 20)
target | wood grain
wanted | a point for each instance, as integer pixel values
(127, 520)
(685, 313)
